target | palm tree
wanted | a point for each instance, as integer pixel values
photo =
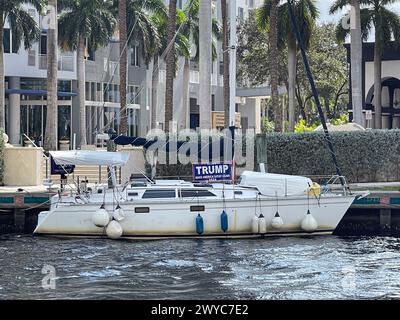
(160, 48)
(356, 63)
(273, 44)
(50, 139)
(306, 13)
(205, 54)
(81, 22)
(23, 27)
(355, 54)
(190, 30)
(387, 26)
(225, 45)
(146, 32)
(171, 65)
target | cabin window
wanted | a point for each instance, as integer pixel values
(196, 193)
(161, 193)
(197, 208)
(142, 210)
(239, 192)
(133, 194)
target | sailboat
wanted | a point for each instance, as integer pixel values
(258, 205)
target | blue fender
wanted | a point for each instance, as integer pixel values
(224, 221)
(199, 224)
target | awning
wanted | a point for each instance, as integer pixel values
(87, 158)
(32, 92)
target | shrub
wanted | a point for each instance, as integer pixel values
(364, 156)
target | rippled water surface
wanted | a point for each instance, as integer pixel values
(279, 268)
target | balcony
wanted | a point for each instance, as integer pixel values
(65, 63)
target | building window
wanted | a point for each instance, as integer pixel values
(240, 13)
(160, 193)
(90, 55)
(7, 40)
(213, 102)
(133, 95)
(43, 44)
(98, 92)
(135, 59)
(251, 4)
(93, 91)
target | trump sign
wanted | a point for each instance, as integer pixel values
(212, 172)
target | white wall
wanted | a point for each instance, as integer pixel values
(389, 69)
(16, 64)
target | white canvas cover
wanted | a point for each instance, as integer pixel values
(86, 158)
(271, 184)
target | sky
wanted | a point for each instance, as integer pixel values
(324, 6)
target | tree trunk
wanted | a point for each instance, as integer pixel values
(123, 65)
(356, 63)
(51, 134)
(273, 58)
(170, 72)
(292, 51)
(225, 33)
(185, 95)
(378, 84)
(205, 39)
(154, 91)
(81, 86)
(2, 80)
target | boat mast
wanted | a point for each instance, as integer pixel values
(232, 64)
(315, 93)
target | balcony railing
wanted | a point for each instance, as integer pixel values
(65, 63)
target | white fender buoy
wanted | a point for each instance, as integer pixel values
(101, 217)
(277, 221)
(309, 223)
(114, 230)
(119, 214)
(262, 224)
(254, 224)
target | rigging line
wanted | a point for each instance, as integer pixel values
(166, 51)
(314, 91)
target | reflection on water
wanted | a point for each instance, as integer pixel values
(279, 268)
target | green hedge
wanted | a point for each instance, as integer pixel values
(366, 156)
(1, 158)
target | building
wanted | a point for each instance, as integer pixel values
(390, 86)
(26, 89)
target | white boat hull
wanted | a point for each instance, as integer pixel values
(173, 218)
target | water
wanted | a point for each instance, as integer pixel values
(280, 268)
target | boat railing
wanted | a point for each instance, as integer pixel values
(334, 180)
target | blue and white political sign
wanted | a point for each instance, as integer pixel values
(212, 172)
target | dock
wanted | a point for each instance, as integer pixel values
(20, 206)
(376, 214)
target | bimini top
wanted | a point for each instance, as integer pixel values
(86, 158)
(271, 184)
